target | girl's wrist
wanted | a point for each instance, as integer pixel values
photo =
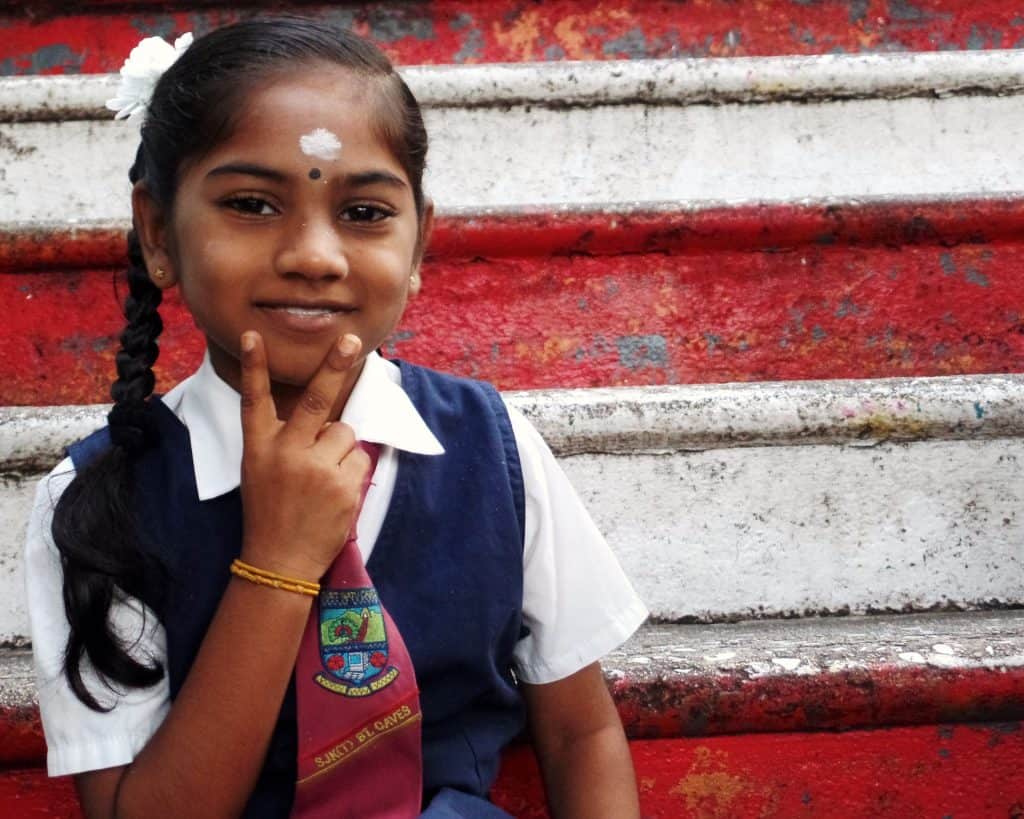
(275, 580)
(292, 566)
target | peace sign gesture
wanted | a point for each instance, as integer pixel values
(301, 478)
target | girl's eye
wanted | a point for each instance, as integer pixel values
(251, 206)
(365, 213)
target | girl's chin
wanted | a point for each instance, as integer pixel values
(292, 378)
(296, 375)
(290, 370)
(295, 365)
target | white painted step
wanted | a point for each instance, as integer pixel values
(815, 645)
(773, 129)
(735, 501)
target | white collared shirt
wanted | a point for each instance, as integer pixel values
(577, 602)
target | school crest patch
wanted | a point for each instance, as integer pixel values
(353, 643)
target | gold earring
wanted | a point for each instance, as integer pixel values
(159, 274)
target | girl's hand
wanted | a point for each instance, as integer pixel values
(301, 478)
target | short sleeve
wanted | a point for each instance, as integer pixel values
(577, 602)
(78, 738)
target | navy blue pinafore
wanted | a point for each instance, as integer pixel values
(447, 565)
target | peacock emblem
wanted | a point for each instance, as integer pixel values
(352, 627)
(353, 639)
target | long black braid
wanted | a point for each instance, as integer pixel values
(130, 420)
(194, 106)
(94, 520)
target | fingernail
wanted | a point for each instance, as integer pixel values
(349, 344)
(248, 342)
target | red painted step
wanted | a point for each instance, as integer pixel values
(592, 299)
(708, 705)
(27, 793)
(933, 770)
(40, 37)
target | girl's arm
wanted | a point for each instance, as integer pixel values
(582, 750)
(300, 486)
(205, 758)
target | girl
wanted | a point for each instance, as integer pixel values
(219, 647)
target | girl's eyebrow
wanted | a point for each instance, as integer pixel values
(359, 180)
(366, 178)
(248, 169)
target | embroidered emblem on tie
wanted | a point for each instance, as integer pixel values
(353, 643)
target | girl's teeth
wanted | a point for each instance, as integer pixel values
(308, 311)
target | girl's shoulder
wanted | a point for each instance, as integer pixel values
(443, 397)
(86, 449)
(418, 376)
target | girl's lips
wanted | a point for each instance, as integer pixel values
(305, 319)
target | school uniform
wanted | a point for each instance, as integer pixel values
(477, 545)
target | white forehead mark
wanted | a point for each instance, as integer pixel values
(321, 144)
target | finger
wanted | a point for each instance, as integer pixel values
(259, 416)
(335, 442)
(354, 467)
(323, 390)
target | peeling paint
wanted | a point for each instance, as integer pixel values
(472, 49)
(610, 299)
(891, 773)
(631, 45)
(389, 25)
(974, 276)
(636, 352)
(574, 29)
(897, 772)
(673, 694)
(708, 787)
(56, 58)
(879, 426)
(162, 26)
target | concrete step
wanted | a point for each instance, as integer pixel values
(908, 679)
(775, 129)
(781, 676)
(893, 773)
(833, 673)
(535, 298)
(94, 36)
(737, 501)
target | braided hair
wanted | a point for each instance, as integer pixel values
(131, 424)
(195, 105)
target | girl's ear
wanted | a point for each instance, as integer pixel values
(426, 229)
(151, 226)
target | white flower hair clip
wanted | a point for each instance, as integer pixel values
(140, 72)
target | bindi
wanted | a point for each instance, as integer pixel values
(320, 144)
(314, 173)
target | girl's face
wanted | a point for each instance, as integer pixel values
(300, 225)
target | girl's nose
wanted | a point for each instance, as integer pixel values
(312, 249)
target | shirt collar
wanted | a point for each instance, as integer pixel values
(378, 410)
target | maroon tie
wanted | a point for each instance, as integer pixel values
(360, 753)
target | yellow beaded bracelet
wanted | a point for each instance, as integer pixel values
(262, 577)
